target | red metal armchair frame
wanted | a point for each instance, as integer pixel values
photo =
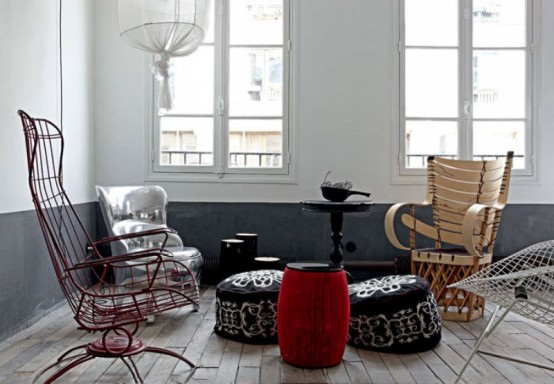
(153, 281)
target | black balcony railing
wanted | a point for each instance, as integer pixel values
(419, 160)
(253, 159)
(187, 157)
(236, 159)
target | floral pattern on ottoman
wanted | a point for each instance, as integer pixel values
(259, 279)
(394, 314)
(246, 306)
(387, 284)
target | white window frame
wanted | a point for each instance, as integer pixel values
(400, 174)
(220, 171)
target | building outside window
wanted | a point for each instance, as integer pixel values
(466, 81)
(231, 96)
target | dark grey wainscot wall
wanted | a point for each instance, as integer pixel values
(284, 230)
(30, 290)
(28, 287)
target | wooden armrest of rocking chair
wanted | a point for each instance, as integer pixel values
(470, 219)
(409, 221)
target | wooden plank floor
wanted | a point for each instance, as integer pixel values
(222, 361)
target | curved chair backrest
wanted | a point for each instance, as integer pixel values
(66, 237)
(141, 203)
(454, 185)
(81, 270)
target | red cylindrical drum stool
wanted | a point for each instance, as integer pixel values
(313, 313)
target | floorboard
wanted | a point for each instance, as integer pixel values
(219, 360)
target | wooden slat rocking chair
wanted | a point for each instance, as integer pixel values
(467, 199)
(99, 305)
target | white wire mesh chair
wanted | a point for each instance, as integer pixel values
(522, 283)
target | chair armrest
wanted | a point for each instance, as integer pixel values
(151, 259)
(419, 226)
(389, 223)
(468, 225)
(155, 255)
(128, 236)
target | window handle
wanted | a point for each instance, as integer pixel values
(467, 109)
(220, 107)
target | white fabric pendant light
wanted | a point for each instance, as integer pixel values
(168, 28)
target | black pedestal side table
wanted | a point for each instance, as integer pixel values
(336, 210)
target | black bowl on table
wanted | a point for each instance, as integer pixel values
(338, 195)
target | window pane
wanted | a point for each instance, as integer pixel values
(186, 141)
(425, 138)
(256, 82)
(192, 82)
(256, 143)
(431, 22)
(431, 83)
(499, 84)
(499, 23)
(256, 22)
(493, 138)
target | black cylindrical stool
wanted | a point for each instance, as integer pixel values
(266, 262)
(314, 310)
(231, 257)
(250, 247)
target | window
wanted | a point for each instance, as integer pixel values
(466, 72)
(231, 113)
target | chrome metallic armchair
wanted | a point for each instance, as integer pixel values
(131, 209)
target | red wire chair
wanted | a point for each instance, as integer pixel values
(153, 282)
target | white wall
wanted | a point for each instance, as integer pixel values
(344, 110)
(78, 72)
(544, 192)
(29, 80)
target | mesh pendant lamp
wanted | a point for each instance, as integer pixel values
(168, 28)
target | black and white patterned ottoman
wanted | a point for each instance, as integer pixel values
(246, 306)
(396, 314)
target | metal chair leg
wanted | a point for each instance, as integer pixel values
(133, 369)
(491, 326)
(127, 360)
(163, 351)
(82, 358)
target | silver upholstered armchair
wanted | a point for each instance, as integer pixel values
(130, 209)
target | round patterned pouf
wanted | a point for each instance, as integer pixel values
(246, 306)
(396, 314)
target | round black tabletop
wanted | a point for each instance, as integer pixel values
(330, 206)
(314, 267)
